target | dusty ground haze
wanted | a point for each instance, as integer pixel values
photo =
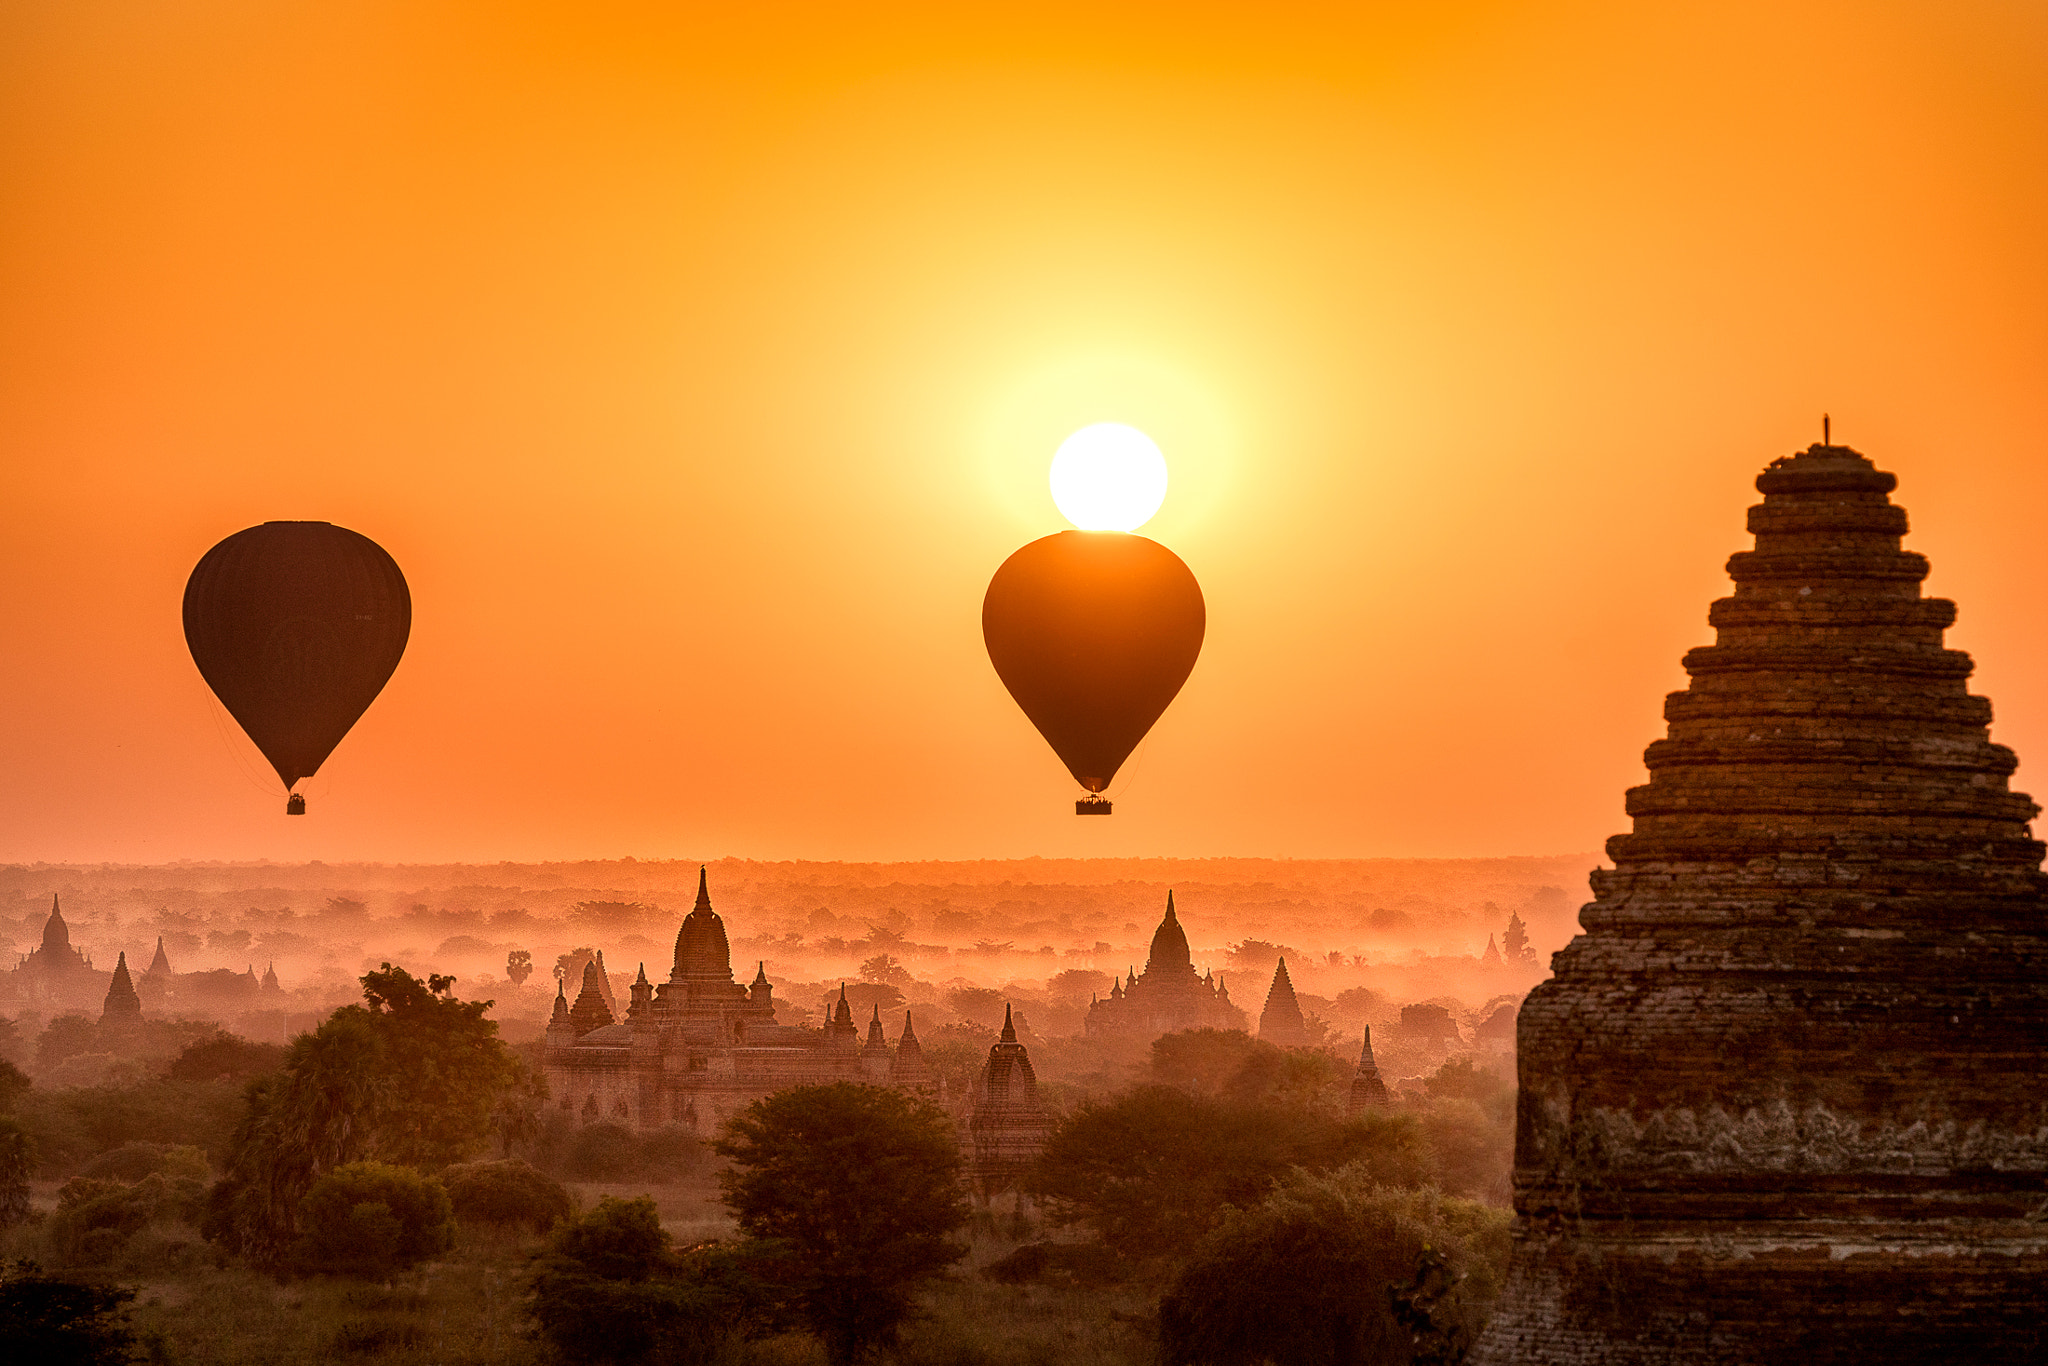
(1405, 930)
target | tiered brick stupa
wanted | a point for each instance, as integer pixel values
(1786, 1099)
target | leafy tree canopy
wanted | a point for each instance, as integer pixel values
(612, 1288)
(371, 1219)
(1151, 1170)
(852, 1195)
(1336, 1268)
(413, 1076)
(225, 1057)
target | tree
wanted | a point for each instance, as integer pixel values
(850, 1195)
(66, 1037)
(611, 1288)
(1514, 942)
(14, 1084)
(519, 966)
(55, 1322)
(885, 970)
(412, 1076)
(977, 1005)
(17, 1165)
(506, 1194)
(1151, 1170)
(1337, 1268)
(225, 1057)
(370, 1219)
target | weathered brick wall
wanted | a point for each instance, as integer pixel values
(1784, 1101)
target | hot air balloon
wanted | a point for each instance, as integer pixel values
(296, 626)
(1093, 633)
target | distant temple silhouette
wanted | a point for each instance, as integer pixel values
(1782, 1101)
(1281, 1021)
(1167, 996)
(696, 1048)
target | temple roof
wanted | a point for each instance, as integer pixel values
(56, 934)
(1169, 955)
(702, 953)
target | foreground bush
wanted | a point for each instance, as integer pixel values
(17, 1165)
(611, 1288)
(506, 1194)
(54, 1322)
(96, 1218)
(608, 1152)
(73, 1126)
(1151, 1170)
(1335, 1268)
(369, 1219)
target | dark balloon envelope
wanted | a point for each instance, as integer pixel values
(1093, 633)
(296, 626)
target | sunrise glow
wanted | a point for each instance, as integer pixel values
(1108, 477)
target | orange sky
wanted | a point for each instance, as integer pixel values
(699, 370)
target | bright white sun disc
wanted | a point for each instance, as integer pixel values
(1108, 477)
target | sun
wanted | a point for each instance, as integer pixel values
(1108, 477)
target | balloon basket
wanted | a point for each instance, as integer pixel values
(295, 805)
(1096, 805)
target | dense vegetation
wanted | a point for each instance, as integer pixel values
(390, 1187)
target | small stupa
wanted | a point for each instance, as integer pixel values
(591, 1011)
(1368, 1088)
(1281, 1021)
(908, 1069)
(123, 1006)
(1782, 1101)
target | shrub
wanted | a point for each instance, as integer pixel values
(1151, 1170)
(95, 1217)
(610, 1288)
(72, 1127)
(610, 1152)
(603, 1152)
(44, 1318)
(134, 1161)
(506, 1194)
(1071, 1263)
(369, 1219)
(14, 1084)
(17, 1165)
(1337, 1268)
(225, 1057)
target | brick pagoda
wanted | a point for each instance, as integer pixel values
(1786, 1099)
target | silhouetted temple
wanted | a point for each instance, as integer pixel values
(1368, 1088)
(1168, 996)
(699, 1046)
(1008, 1126)
(54, 975)
(1782, 1101)
(1280, 1022)
(122, 1006)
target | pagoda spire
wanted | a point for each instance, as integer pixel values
(1368, 1088)
(1281, 1021)
(123, 1006)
